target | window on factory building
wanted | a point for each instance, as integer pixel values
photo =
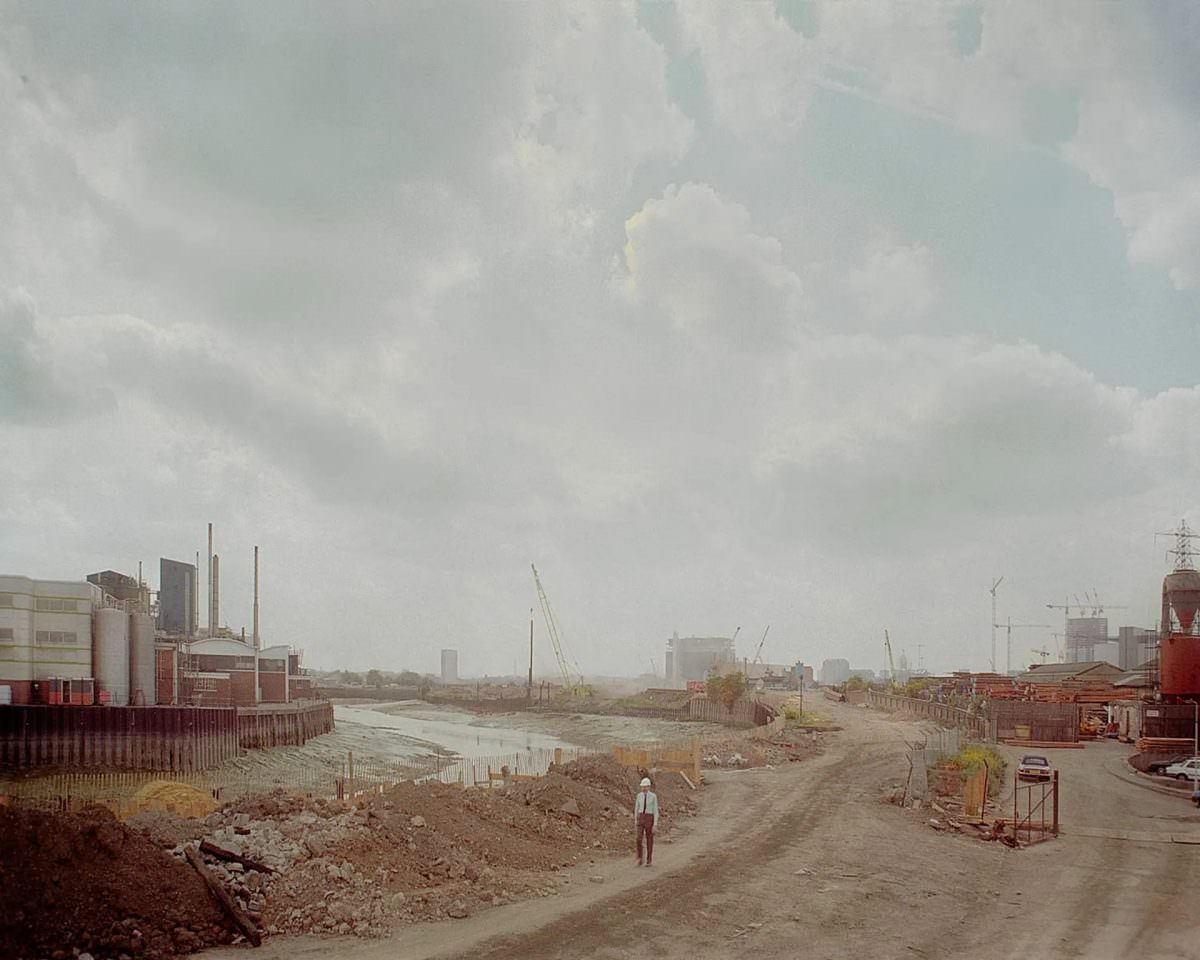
(56, 636)
(6, 634)
(56, 605)
(6, 600)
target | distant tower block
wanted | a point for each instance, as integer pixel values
(449, 666)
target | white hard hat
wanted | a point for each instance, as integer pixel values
(645, 781)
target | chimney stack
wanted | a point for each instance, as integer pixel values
(210, 582)
(215, 617)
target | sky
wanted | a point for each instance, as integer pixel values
(816, 315)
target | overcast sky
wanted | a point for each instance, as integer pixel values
(816, 314)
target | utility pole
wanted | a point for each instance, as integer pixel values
(529, 686)
(992, 591)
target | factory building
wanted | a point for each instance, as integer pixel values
(227, 671)
(45, 631)
(693, 658)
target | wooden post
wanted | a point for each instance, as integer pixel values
(558, 756)
(350, 768)
(696, 759)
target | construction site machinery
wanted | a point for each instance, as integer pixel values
(887, 646)
(572, 680)
(758, 653)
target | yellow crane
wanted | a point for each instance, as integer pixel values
(573, 684)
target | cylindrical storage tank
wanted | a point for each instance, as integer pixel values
(141, 660)
(111, 655)
(1179, 665)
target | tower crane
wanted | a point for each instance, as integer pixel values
(575, 683)
(1008, 626)
(887, 645)
(758, 653)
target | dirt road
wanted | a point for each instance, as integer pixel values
(807, 858)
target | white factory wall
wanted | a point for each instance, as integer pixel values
(45, 628)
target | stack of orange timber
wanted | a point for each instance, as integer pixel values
(1165, 745)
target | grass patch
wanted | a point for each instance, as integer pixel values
(972, 757)
(800, 718)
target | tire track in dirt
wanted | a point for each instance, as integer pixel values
(650, 918)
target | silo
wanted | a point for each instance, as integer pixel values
(1179, 655)
(141, 660)
(111, 656)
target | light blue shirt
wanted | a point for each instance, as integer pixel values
(647, 802)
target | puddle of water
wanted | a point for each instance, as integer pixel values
(418, 733)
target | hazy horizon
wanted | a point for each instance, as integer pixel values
(811, 314)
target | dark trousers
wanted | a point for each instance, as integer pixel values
(645, 827)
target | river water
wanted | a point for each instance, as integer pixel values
(410, 730)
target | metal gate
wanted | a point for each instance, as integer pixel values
(1035, 809)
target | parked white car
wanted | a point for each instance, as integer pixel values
(1184, 770)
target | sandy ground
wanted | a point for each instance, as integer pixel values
(806, 858)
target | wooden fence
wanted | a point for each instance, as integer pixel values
(942, 713)
(1030, 720)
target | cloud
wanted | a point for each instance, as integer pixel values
(31, 387)
(759, 73)
(693, 257)
(896, 285)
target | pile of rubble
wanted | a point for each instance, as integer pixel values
(83, 883)
(732, 750)
(415, 851)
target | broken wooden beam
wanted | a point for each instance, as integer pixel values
(222, 854)
(236, 914)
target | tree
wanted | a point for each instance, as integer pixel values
(349, 677)
(375, 678)
(726, 690)
(410, 679)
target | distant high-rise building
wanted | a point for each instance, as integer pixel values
(693, 658)
(176, 597)
(449, 666)
(1137, 645)
(835, 671)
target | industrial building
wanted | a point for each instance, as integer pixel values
(96, 642)
(690, 659)
(449, 666)
(228, 671)
(72, 642)
(177, 598)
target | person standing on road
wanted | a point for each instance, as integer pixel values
(645, 818)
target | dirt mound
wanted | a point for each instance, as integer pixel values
(84, 881)
(620, 785)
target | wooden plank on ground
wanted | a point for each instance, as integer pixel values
(235, 913)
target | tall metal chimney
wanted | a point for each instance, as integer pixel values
(194, 623)
(210, 582)
(216, 595)
(256, 642)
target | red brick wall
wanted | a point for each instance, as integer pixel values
(272, 684)
(22, 690)
(164, 674)
(242, 684)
